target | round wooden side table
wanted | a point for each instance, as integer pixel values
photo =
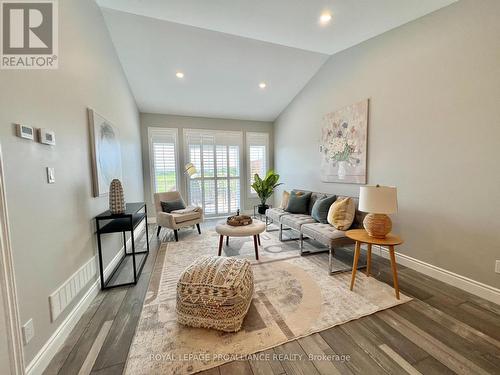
(361, 236)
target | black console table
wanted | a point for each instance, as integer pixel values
(106, 222)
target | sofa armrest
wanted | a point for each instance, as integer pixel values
(164, 219)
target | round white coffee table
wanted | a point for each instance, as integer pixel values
(254, 230)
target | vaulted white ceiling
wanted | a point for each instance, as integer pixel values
(225, 48)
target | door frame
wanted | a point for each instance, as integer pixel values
(8, 285)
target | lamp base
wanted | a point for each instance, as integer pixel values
(377, 225)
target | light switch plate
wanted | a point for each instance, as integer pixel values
(28, 331)
(51, 177)
(497, 266)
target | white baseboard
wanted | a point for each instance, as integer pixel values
(477, 288)
(55, 342)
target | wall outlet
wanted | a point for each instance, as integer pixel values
(497, 266)
(28, 331)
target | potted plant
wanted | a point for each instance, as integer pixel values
(265, 188)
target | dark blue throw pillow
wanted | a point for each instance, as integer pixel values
(169, 206)
(297, 204)
(320, 209)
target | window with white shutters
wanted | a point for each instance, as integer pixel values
(257, 157)
(163, 159)
(216, 156)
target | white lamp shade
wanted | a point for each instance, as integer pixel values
(378, 199)
(190, 169)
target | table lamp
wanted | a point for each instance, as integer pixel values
(378, 201)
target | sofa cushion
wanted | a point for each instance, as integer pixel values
(320, 208)
(359, 215)
(324, 233)
(182, 218)
(169, 206)
(275, 213)
(296, 221)
(341, 213)
(298, 204)
(284, 200)
(314, 198)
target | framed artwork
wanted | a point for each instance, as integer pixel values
(106, 153)
(343, 144)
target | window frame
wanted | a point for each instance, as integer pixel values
(255, 139)
(152, 131)
(222, 134)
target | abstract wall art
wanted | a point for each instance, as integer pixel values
(343, 144)
(106, 153)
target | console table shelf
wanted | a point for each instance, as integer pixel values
(106, 223)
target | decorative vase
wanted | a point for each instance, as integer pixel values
(342, 171)
(261, 209)
(116, 199)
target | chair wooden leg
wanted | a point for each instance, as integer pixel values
(221, 239)
(258, 239)
(355, 263)
(227, 240)
(199, 229)
(158, 231)
(256, 247)
(369, 259)
(394, 270)
(176, 235)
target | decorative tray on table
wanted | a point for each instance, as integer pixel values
(239, 220)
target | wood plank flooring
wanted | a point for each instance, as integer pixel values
(444, 330)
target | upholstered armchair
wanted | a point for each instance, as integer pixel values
(175, 220)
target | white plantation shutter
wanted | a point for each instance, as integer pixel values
(216, 156)
(257, 156)
(163, 159)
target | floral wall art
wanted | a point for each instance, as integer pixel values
(343, 144)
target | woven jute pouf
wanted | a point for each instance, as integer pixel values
(215, 292)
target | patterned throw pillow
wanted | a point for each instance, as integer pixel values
(320, 208)
(341, 213)
(169, 206)
(284, 200)
(297, 204)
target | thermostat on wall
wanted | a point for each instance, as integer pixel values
(47, 136)
(24, 131)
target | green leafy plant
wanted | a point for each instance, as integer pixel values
(265, 187)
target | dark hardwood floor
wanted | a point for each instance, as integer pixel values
(444, 330)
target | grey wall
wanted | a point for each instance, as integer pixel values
(186, 122)
(52, 225)
(4, 352)
(434, 89)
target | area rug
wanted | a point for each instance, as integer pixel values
(294, 297)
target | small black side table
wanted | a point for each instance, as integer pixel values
(125, 222)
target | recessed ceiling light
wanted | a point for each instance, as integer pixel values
(262, 85)
(325, 18)
(179, 75)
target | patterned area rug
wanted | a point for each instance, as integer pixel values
(294, 297)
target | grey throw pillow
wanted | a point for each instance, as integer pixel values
(169, 206)
(297, 204)
(320, 209)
